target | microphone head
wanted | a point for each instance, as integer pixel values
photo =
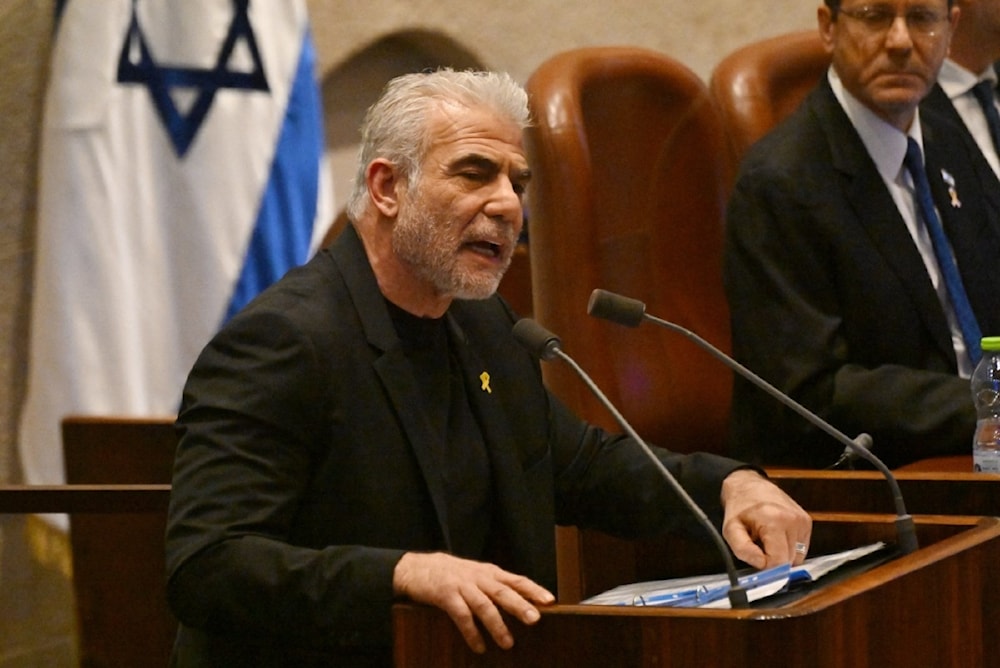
(865, 441)
(616, 308)
(539, 341)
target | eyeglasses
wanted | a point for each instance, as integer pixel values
(920, 20)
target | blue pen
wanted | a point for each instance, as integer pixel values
(749, 582)
(674, 599)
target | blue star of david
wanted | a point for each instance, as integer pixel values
(160, 79)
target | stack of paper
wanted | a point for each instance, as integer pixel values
(710, 591)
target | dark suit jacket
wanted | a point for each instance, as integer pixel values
(831, 302)
(306, 468)
(937, 102)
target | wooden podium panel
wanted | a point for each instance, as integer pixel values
(924, 492)
(935, 607)
(591, 561)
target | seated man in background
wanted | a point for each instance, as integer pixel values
(369, 430)
(842, 292)
(966, 87)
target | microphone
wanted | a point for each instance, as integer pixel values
(546, 346)
(631, 312)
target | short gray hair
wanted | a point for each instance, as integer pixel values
(395, 127)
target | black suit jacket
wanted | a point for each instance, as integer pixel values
(306, 468)
(938, 103)
(831, 302)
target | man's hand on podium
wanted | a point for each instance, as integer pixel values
(469, 590)
(762, 524)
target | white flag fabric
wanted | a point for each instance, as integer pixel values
(179, 175)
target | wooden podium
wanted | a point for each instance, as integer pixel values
(591, 562)
(935, 607)
(925, 492)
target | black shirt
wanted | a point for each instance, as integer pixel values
(461, 450)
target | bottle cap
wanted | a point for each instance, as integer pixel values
(991, 343)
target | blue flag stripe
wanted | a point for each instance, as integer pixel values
(283, 230)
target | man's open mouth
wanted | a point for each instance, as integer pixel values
(486, 248)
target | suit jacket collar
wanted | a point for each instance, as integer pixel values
(876, 211)
(391, 366)
(940, 106)
(349, 253)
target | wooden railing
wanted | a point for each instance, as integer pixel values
(119, 573)
(73, 499)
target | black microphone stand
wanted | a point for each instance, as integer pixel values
(548, 346)
(631, 312)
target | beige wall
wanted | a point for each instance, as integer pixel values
(517, 35)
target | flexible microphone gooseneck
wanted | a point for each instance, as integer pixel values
(631, 312)
(546, 346)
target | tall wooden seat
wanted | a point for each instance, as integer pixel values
(628, 194)
(758, 85)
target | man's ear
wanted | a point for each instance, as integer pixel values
(827, 26)
(384, 186)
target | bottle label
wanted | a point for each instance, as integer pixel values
(986, 461)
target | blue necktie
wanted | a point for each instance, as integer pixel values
(914, 162)
(987, 100)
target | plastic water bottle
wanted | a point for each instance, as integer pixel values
(986, 396)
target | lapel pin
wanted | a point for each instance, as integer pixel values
(485, 378)
(952, 193)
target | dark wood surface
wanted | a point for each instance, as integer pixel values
(119, 567)
(75, 499)
(591, 561)
(935, 607)
(924, 492)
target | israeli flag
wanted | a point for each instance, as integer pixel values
(180, 174)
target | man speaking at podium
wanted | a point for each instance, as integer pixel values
(369, 430)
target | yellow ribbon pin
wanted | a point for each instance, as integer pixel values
(485, 377)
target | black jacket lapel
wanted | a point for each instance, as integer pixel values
(878, 215)
(392, 368)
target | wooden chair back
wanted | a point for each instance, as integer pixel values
(119, 570)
